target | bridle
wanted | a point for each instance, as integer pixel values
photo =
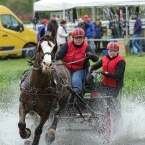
(47, 53)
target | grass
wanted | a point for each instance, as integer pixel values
(11, 71)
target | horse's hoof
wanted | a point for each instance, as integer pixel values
(50, 136)
(25, 134)
(28, 133)
(27, 143)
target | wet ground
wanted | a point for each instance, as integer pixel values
(132, 131)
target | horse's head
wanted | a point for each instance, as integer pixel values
(47, 48)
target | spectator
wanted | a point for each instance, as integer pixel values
(35, 19)
(76, 50)
(40, 27)
(53, 24)
(98, 35)
(62, 33)
(113, 66)
(115, 27)
(137, 33)
(82, 24)
(90, 30)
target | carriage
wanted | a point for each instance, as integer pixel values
(47, 84)
(92, 113)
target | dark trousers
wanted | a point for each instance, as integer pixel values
(97, 43)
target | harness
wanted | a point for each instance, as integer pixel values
(49, 91)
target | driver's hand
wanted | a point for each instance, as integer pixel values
(89, 54)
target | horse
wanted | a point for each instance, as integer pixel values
(42, 89)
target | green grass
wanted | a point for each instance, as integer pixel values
(11, 71)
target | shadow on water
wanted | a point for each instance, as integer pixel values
(132, 131)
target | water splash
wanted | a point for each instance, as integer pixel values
(132, 131)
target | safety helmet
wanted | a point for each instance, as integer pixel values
(78, 32)
(113, 45)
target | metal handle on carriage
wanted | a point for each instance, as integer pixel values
(81, 99)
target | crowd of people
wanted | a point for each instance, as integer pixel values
(94, 30)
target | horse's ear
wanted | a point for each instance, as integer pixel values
(53, 33)
(42, 32)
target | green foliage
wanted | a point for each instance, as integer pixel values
(19, 6)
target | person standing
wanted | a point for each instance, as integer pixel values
(76, 54)
(137, 33)
(98, 35)
(90, 30)
(62, 33)
(82, 24)
(52, 24)
(40, 27)
(115, 27)
(113, 68)
(35, 19)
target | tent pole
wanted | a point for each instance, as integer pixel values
(127, 23)
(63, 14)
(63, 11)
(93, 13)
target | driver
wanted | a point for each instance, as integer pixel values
(76, 54)
(113, 68)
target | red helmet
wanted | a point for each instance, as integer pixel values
(78, 32)
(113, 45)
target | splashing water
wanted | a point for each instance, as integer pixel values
(132, 131)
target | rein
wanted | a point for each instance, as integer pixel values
(76, 61)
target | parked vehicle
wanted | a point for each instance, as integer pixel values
(15, 37)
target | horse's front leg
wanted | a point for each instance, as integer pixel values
(38, 130)
(50, 135)
(23, 131)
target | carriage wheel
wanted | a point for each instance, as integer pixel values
(107, 126)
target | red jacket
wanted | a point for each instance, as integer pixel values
(75, 54)
(110, 66)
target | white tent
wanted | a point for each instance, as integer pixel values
(57, 5)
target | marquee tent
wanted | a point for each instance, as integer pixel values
(57, 5)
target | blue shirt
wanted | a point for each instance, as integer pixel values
(40, 27)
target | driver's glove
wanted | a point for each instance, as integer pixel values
(89, 55)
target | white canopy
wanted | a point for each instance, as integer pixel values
(57, 5)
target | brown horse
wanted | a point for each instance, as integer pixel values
(41, 89)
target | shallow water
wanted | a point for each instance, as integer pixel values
(132, 131)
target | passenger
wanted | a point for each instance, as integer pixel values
(76, 54)
(113, 68)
